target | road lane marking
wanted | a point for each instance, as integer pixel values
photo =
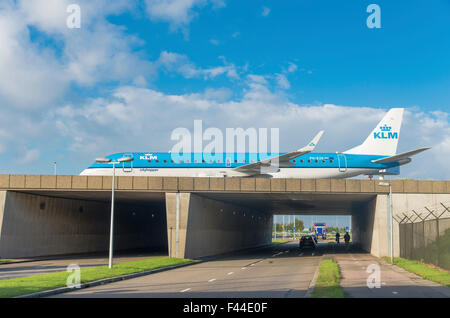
(185, 290)
(230, 273)
(211, 280)
(252, 264)
(244, 268)
(395, 293)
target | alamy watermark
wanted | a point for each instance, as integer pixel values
(374, 19)
(74, 19)
(74, 279)
(213, 145)
(374, 279)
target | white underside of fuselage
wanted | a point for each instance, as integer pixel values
(228, 172)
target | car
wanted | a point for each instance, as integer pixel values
(307, 241)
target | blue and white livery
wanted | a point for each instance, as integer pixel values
(375, 156)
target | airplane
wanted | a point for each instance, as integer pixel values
(375, 156)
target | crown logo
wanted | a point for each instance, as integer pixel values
(385, 128)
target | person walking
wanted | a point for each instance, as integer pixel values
(347, 240)
(337, 237)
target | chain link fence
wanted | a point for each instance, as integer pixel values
(425, 234)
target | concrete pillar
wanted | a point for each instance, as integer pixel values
(370, 226)
(208, 227)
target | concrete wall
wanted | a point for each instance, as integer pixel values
(190, 184)
(208, 227)
(370, 221)
(34, 225)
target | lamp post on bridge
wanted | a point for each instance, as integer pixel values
(391, 230)
(111, 230)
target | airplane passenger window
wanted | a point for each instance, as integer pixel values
(165, 161)
(148, 161)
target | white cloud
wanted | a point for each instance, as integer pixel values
(292, 68)
(282, 81)
(265, 11)
(214, 42)
(46, 72)
(179, 63)
(178, 13)
(29, 156)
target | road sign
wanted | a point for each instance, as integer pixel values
(346, 227)
(293, 229)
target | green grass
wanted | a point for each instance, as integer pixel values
(328, 281)
(279, 241)
(2, 261)
(426, 271)
(32, 284)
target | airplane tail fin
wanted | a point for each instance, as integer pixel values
(383, 139)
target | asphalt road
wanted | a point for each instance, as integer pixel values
(280, 271)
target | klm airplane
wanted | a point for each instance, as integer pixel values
(375, 156)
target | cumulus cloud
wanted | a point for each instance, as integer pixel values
(265, 11)
(180, 63)
(178, 13)
(29, 156)
(38, 74)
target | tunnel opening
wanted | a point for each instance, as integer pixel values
(41, 224)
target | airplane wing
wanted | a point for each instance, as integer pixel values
(270, 164)
(401, 156)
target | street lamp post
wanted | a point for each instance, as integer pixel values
(111, 229)
(391, 229)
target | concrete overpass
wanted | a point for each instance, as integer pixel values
(190, 217)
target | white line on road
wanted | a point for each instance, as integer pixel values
(230, 273)
(395, 293)
(252, 264)
(241, 268)
(185, 290)
(211, 280)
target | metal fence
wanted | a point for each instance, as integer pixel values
(425, 234)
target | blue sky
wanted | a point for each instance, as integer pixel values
(136, 70)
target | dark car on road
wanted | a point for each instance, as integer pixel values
(307, 241)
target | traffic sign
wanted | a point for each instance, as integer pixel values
(293, 229)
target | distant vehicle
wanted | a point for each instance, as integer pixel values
(307, 241)
(320, 229)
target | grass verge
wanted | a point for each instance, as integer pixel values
(32, 284)
(279, 241)
(328, 281)
(426, 271)
(4, 261)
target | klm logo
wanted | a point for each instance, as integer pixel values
(385, 133)
(148, 156)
